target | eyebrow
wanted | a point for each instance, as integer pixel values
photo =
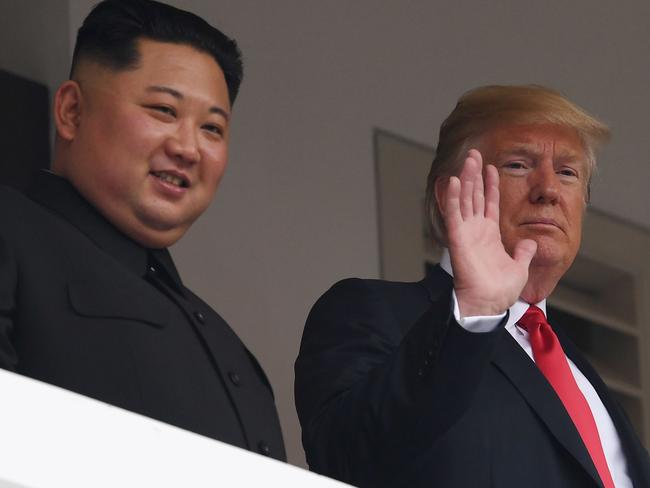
(179, 96)
(520, 150)
(533, 150)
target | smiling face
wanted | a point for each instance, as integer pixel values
(544, 174)
(148, 146)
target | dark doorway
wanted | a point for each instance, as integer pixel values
(24, 129)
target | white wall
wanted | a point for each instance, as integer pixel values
(34, 39)
(296, 211)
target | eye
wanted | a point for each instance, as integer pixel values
(213, 129)
(515, 166)
(163, 109)
(567, 173)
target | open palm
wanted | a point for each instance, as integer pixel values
(487, 280)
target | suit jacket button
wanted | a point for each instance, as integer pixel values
(199, 317)
(420, 372)
(263, 448)
(234, 378)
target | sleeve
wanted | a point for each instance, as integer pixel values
(477, 323)
(8, 358)
(372, 392)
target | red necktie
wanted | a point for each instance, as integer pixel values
(552, 362)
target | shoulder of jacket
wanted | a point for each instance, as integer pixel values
(354, 295)
(19, 214)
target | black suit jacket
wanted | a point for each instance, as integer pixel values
(391, 391)
(85, 308)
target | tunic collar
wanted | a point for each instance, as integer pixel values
(59, 196)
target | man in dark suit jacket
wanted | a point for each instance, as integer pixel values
(446, 382)
(90, 299)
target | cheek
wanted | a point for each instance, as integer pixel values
(513, 199)
(512, 190)
(141, 135)
(126, 153)
(575, 226)
(215, 166)
(575, 209)
(508, 207)
(508, 229)
(511, 233)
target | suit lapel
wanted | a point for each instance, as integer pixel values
(515, 364)
(635, 454)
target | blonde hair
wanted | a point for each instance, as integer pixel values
(485, 107)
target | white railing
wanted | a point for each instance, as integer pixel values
(51, 438)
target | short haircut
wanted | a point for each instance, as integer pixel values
(110, 33)
(486, 107)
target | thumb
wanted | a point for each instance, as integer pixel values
(525, 251)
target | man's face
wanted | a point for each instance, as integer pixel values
(544, 173)
(150, 144)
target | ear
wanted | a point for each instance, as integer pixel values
(67, 109)
(440, 193)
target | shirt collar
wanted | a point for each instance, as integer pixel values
(59, 196)
(517, 310)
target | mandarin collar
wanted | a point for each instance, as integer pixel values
(58, 195)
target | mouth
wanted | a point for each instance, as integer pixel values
(174, 179)
(542, 222)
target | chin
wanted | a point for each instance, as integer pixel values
(163, 221)
(155, 234)
(551, 251)
(545, 261)
(154, 239)
(551, 258)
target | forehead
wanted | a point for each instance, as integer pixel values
(535, 140)
(176, 62)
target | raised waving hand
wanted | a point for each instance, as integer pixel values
(487, 280)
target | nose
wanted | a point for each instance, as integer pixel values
(544, 184)
(182, 145)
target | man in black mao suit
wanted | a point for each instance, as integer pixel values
(90, 299)
(443, 382)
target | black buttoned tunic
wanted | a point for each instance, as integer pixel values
(84, 307)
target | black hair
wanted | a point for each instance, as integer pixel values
(110, 32)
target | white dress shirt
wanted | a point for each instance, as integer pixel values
(606, 430)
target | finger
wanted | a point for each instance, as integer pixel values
(492, 193)
(470, 165)
(467, 177)
(452, 213)
(479, 191)
(466, 198)
(525, 251)
(476, 155)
